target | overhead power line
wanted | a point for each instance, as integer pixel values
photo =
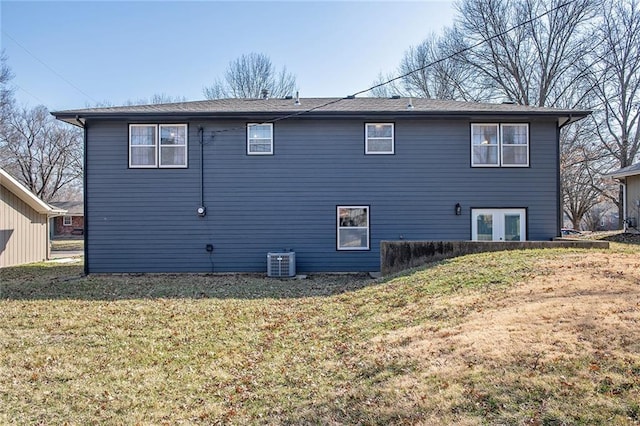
(49, 68)
(437, 61)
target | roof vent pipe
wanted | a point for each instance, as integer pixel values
(410, 104)
(297, 102)
(265, 94)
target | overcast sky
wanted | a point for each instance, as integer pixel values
(77, 53)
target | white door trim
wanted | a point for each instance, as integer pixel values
(498, 222)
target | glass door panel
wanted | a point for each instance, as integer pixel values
(512, 227)
(484, 224)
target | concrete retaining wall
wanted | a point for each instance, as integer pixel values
(398, 255)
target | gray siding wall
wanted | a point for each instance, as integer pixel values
(145, 219)
(23, 231)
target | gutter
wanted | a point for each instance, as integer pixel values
(72, 118)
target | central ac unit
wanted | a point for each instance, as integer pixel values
(281, 264)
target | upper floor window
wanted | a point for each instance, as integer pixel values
(260, 138)
(496, 145)
(173, 145)
(157, 145)
(379, 138)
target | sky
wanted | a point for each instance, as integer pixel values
(75, 54)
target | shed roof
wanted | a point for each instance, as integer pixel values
(27, 196)
(72, 208)
(632, 170)
(317, 107)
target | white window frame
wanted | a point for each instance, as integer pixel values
(261, 141)
(496, 145)
(368, 138)
(339, 228)
(157, 146)
(500, 145)
(67, 221)
(184, 147)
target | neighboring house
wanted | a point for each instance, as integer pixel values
(629, 178)
(72, 223)
(216, 185)
(24, 219)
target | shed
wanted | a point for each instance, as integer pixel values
(629, 178)
(24, 222)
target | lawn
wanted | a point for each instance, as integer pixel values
(523, 337)
(65, 244)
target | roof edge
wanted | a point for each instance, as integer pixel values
(27, 196)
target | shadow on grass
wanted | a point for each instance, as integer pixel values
(66, 282)
(624, 238)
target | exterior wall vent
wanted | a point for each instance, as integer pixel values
(281, 264)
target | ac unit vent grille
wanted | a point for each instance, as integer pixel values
(281, 264)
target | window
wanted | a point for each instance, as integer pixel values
(67, 221)
(173, 145)
(353, 228)
(260, 139)
(379, 138)
(515, 144)
(142, 145)
(144, 151)
(484, 144)
(500, 145)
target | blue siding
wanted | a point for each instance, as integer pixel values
(144, 220)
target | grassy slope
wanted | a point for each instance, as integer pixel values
(497, 338)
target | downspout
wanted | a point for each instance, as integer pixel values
(85, 194)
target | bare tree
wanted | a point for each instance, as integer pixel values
(578, 189)
(157, 98)
(6, 93)
(616, 85)
(42, 153)
(248, 76)
(525, 60)
(428, 70)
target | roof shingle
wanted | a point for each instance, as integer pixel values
(319, 105)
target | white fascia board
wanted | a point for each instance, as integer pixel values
(27, 196)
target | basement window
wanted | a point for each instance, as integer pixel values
(353, 227)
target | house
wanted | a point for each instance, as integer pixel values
(217, 185)
(72, 223)
(24, 219)
(629, 178)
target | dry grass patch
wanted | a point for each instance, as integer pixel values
(558, 348)
(525, 337)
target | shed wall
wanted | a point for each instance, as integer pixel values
(23, 231)
(633, 198)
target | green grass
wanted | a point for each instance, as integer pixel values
(238, 349)
(60, 244)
